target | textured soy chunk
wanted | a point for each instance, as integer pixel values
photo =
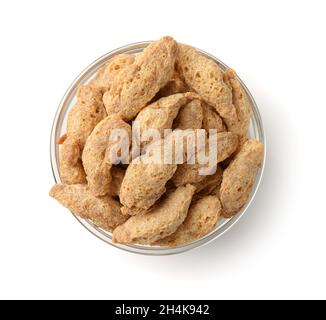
(239, 177)
(86, 114)
(138, 83)
(83, 117)
(163, 220)
(105, 76)
(202, 217)
(205, 77)
(71, 167)
(95, 155)
(240, 101)
(144, 183)
(104, 212)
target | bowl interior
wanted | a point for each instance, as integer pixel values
(59, 128)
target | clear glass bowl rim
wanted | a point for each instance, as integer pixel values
(140, 249)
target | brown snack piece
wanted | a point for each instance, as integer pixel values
(71, 168)
(211, 119)
(86, 114)
(240, 101)
(138, 83)
(160, 222)
(144, 183)
(190, 116)
(227, 143)
(106, 74)
(83, 117)
(175, 85)
(117, 175)
(160, 114)
(95, 159)
(239, 177)
(202, 217)
(104, 212)
(205, 77)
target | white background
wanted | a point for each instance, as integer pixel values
(276, 251)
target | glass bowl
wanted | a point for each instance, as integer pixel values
(59, 127)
